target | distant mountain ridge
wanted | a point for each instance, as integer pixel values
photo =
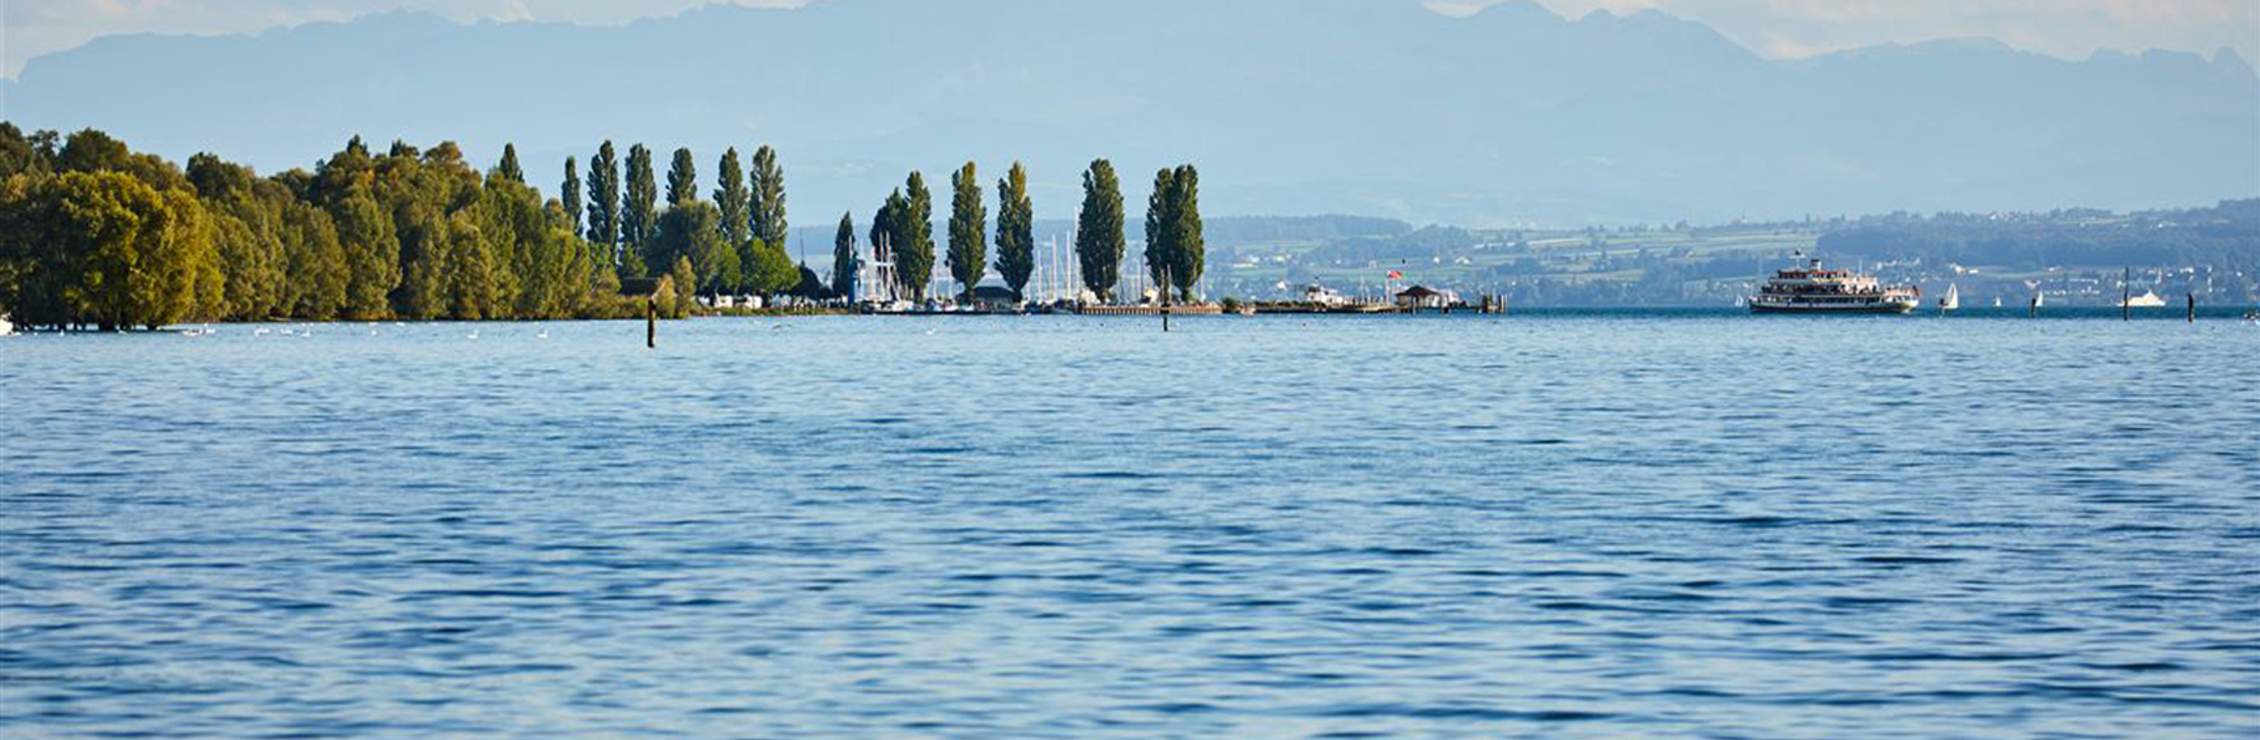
(1378, 107)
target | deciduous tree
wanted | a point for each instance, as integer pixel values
(969, 231)
(1016, 231)
(1099, 239)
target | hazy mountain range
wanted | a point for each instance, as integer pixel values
(1376, 107)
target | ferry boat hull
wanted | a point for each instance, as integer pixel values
(1887, 309)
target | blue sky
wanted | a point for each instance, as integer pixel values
(1775, 28)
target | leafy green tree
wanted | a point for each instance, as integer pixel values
(735, 200)
(771, 271)
(691, 231)
(845, 262)
(639, 217)
(246, 233)
(529, 248)
(729, 271)
(106, 249)
(317, 263)
(337, 178)
(191, 251)
(604, 206)
(1188, 253)
(22, 154)
(508, 168)
(1161, 234)
(90, 150)
(969, 231)
(769, 198)
(1099, 240)
(372, 255)
(1016, 231)
(682, 179)
(913, 236)
(686, 286)
(41, 254)
(570, 194)
(427, 249)
(471, 295)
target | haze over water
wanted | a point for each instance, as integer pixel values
(1598, 523)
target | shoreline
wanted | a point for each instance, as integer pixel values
(2083, 313)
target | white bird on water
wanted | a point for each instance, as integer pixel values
(473, 336)
(543, 335)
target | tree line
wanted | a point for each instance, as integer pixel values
(1176, 251)
(94, 234)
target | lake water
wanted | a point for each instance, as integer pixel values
(1578, 523)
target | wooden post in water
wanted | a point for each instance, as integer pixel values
(2126, 295)
(1165, 300)
(2193, 307)
(2033, 308)
(651, 322)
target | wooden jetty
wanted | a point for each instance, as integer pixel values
(1207, 309)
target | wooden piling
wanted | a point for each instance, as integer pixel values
(651, 323)
(2126, 295)
(2033, 308)
(2193, 308)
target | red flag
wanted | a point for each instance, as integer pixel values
(1396, 275)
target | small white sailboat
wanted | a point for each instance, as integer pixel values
(1997, 301)
(1953, 299)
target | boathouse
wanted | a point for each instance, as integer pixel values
(1422, 297)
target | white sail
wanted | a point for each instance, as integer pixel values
(1953, 299)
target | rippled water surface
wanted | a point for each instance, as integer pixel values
(1598, 524)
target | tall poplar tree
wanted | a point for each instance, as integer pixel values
(639, 214)
(569, 194)
(1099, 241)
(845, 262)
(768, 217)
(914, 238)
(736, 202)
(1188, 255)
(969, 231)
(1161, 231)
(682, 180)
(1016, 232)
(508, 168)
(604, 206)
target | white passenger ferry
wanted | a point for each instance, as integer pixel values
(1814, 289)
